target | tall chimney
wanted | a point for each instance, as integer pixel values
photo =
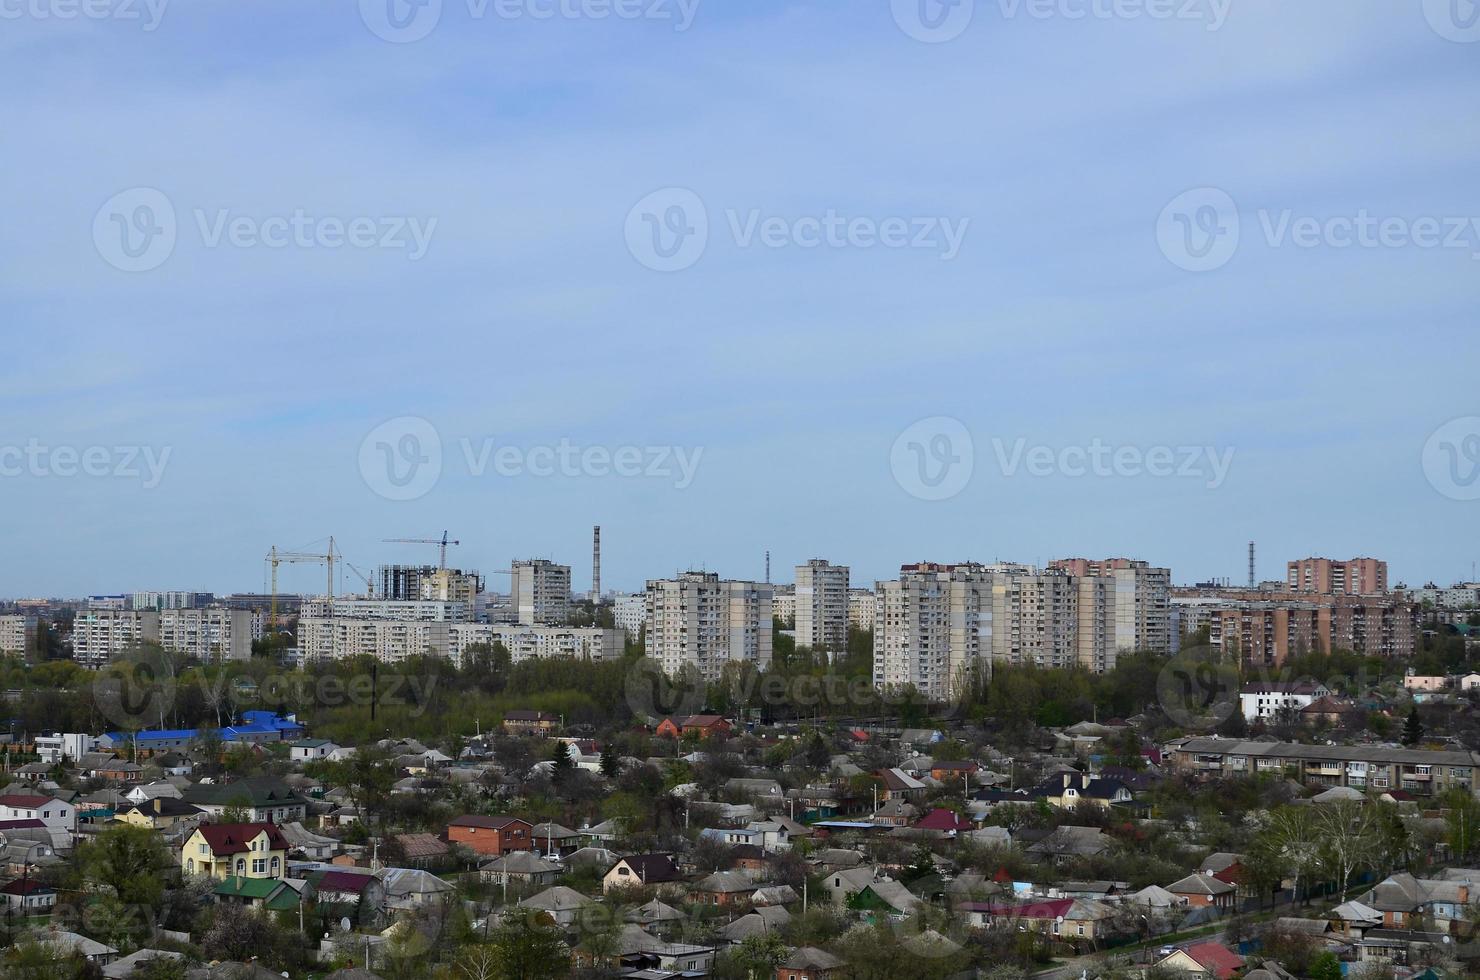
(596, 564)
(1252, 582)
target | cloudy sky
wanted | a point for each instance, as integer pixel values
(872, 281)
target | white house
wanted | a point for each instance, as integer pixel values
(54, 814)
(1266, 699)
(311, 749)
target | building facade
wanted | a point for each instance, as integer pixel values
(540, 592)
(821, 600)
(18, 635)
(1326, 576)
(702, 621)
(1420, 772)
(538, 642)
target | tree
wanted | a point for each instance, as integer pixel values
(1462, 822)
(530, 950)
(1412, 727)
(1325, 967)
(611, 766)
(129, 861)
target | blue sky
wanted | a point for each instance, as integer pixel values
(1061, 321)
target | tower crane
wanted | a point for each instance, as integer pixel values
(443, 542)
(276, 558)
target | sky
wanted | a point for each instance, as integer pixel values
(878, 281)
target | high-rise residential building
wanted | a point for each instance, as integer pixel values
(540, 591)
(784, 605)
(387, 640)
(1034, 619)
(1325, 576)
(401, 583)
(1465, 595)
(158, 601)
(821, 598)
(698, 620)
(406, 611)
(630, 612)
(928, 629)
(18, 635)
(1139, 596)
(1266, 632)
(211, 634)
(450, 585)
(537, 642)
(861, 609)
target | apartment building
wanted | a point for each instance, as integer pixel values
(531, 642)
(450, 585)
(629, 613)
(210, 634)
(822, 605)
(388, 640)
(1140, 597)
(159, 601)
(861, 609)
(1034, 620)
(784, 606)
(702, 621)
(401, 583)
(401, 610)
(1326, 576)
(1465, 595)
(99, 635)
(1266, 632)
(1421, 772)
(540, 592)
(930, 631)
(18, 635)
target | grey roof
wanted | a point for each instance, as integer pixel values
(1331, 753)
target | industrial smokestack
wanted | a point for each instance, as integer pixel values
(596, 564)
(768, 568)
(1252, 581)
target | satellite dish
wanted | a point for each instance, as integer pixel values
(344, 924)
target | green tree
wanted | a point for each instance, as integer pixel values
(1412, 727)
(128, 860)
(611, 766)
(530, 950)
(1461, 821)
(1325, 967)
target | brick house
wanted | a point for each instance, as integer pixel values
(491, 835)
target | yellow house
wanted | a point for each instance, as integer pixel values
(247, 850)
(160, 813)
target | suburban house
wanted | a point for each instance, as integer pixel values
(1404, 901)
(1204, 961)
(491, 835)
(247, 850)
(531, 723)
(702, 725)
(1202, 891)
(1068, 789)
(520, 867)
(898, 784)
(723, 888)
(27, 896)
(53, 814)
(638, 870)
(1269, 699)
(263, 799)
(160, 813)
(268, 893)
(809, 963)
(311, 749)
